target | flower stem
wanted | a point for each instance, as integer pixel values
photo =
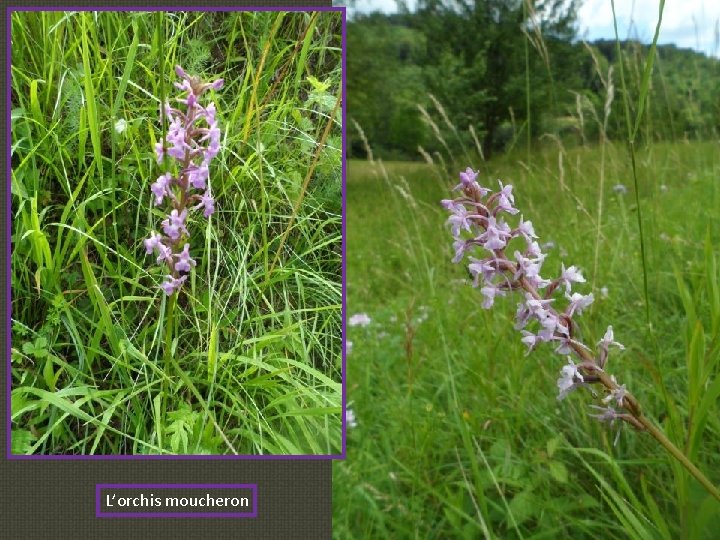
(169, 330)
(632, 405)
(677, 454)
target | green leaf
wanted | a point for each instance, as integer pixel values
(559, 471)
(49, 374)
(22, 441)
(552, 445)
(34, 103)
(523, 506)
(318, 86)
(212, 352)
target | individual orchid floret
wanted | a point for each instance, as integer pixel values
(467, 180)
(459, 247)
(610, 416)
(604, 345)
(161, 187)
(197, 176)
(526, 229)
(606, 414)
(569, 276)
(490, 292)
(578, 303)
(530, 339)
(609, 340)
(617, 394)
(530, 268)
(160, 151)
(184, 262)
(486, 269)
(569, 379)
(496, 235)
(176, 136)
(505, 200)
(164, 253)
(171, 284)
(174, 225)
(153, 242)
(534, 250)
(531, 308)
(208, 203)
(459, 220)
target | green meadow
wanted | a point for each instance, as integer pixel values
(458, 432)
(251, 361)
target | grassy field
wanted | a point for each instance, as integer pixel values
(252, 362)
(459, 434)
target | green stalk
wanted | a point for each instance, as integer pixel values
(677, 454)
(527, 89)
(632, 133)
(169, 331)
(643, 422)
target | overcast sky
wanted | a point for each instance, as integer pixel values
(687, 23)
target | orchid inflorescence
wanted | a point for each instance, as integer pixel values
(193, 140)
(478, 220)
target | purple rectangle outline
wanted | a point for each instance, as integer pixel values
(8, 129)
(100, 514)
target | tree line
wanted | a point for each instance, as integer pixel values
(493, 74)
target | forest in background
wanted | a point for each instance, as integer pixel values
(503, 73)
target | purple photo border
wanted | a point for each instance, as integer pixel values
(100, 514)
(8, 385)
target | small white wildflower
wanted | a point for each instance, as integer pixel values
(359, 319)
(350, 418)
(620, 189)
(348, 347)
(120, 126)
(604, 292)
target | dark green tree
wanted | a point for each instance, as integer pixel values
(506, 55)
(385, 85)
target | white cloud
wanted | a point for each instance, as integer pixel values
(687, 23)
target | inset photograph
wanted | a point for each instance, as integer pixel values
(176, 241)
(532, 271)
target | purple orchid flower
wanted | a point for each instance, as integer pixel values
(193, 140)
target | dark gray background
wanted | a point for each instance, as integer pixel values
(56, 499)
(51, 499)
